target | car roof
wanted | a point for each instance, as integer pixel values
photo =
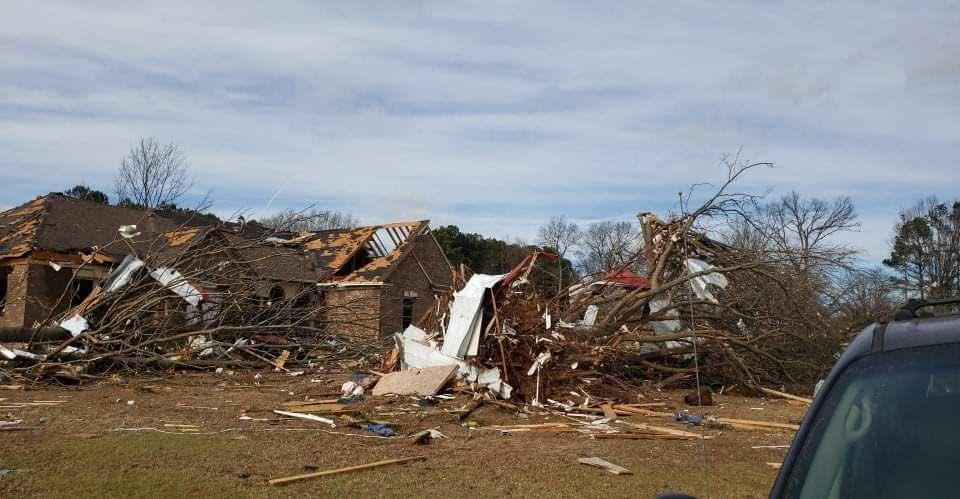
(907, 330)
(903, 333)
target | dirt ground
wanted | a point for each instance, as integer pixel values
(182, 435)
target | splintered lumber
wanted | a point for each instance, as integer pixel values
(18, 428)
(668, 431)
(469, 408)
(501, 404)
(321, 408)
(540, 427)
(745, 427)
(297, 403)
(755, 423)
(309, 417)
(606, 465)
(425, 381)
(597, 410)
(340, 471)
(641, 411)
(11, 387)
(647, 404)
(608, 411)
(784, 395)
(636, 436)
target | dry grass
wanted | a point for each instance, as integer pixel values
(77, 453)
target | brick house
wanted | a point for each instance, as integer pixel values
(371, 280)
(54, 249)
(377, 279)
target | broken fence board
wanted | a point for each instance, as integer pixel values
(426, 381)
(309, 476)
(606, 465)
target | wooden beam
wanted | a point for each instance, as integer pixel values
(339, 471)
(775, 393)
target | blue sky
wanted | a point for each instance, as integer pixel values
(490, 115)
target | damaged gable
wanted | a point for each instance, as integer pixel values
(333, 249)
(363, 254)
(387, 246)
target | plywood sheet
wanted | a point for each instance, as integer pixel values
(426, 381)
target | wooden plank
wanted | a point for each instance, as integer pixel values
(776, 393)
(608, 412)
(668, 431)
(642, 412)
(745, 427)
(597, 410)
(606, 465)
(528, 426)
(309, 417)
(766, 424)
(636, 436)
(339, 471)
(499, 403)
(426, 381)
(321, 408)
(294, 403)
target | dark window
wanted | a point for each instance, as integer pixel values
(80, 289)
(4, 273)
(884, 429)
(276, 295)
(407, 314)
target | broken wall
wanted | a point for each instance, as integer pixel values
(416, 279)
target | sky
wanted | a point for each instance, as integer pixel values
(490, 115)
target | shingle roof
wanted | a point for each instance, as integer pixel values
(332, 249)
(58, 223)
(269, 261)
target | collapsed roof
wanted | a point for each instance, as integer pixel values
(365, 254)
(58, 223)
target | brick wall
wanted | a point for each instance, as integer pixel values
(418, 276)
(44, 289)
(16, 276)
(353, 310)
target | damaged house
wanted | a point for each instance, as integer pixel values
(54, 249)
(375, 280)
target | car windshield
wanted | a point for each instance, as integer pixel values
(886, 429)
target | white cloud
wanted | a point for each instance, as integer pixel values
(489, 115)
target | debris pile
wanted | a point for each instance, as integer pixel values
(193, 298)
(685, 306)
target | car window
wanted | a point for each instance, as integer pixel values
(886, 429)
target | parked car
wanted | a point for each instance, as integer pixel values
(884, 423)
